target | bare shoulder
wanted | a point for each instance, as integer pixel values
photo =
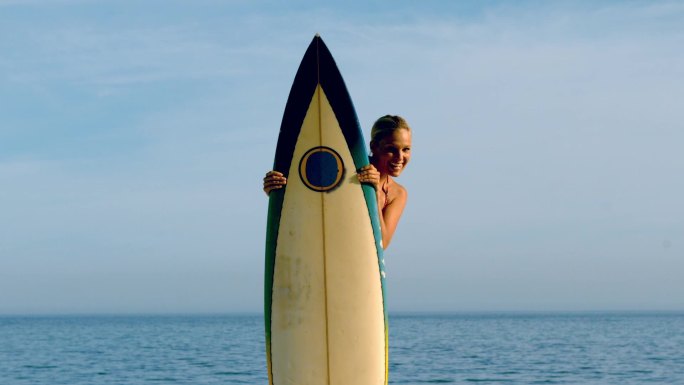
(398, 194)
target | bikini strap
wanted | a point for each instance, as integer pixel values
(385, 189)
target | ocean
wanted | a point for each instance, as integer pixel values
(482, 348)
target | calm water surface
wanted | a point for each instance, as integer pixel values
(595, 348)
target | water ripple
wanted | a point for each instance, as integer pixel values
(588, 349)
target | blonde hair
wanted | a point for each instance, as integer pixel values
(386, 125)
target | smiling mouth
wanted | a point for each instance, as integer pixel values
(396, 166)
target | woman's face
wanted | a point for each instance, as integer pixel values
(393, 152)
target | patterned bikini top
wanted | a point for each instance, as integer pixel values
(385, 189)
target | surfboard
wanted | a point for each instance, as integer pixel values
(324, 272)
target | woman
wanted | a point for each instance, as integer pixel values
(390, 153)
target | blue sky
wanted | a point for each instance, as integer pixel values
(546, 172)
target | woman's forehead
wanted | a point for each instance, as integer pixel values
(400, 135)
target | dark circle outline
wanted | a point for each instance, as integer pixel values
(340, 171)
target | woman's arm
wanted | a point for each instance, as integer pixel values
(390, 213)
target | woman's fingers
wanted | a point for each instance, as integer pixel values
(369, 174)
(273, 180)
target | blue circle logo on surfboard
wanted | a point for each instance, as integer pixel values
(321, 169)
